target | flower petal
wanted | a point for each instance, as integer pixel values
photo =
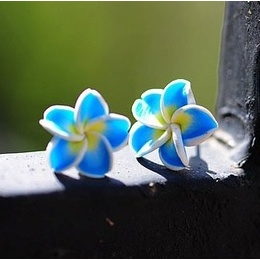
(148, 111)
(89, 106)
(114, 128)
(59, 121)
(98, 158)
(196, 124)
(178, 143)
(169, 156)
(144, 139)
(64, 154)
(176, 94)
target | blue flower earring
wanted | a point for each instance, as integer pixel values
(84, 136)
(169, 119)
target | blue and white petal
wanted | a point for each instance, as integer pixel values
(147, 110)
(144, 139)
(113, 127)
(178, 143)
(169, 156)
(64, 154)
(196, 123)
(89, 106)
(176, 94)
(97, 160)
(59, 121)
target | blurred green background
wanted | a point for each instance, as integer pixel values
(51, 51)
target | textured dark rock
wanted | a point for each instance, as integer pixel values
(239, 81)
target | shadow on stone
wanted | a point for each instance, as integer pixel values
(168, 174)
(84, 181)
(198, 168)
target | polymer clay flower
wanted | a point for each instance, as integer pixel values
(169, 119)
(84, 136)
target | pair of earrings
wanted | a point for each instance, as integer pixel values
(167, 119)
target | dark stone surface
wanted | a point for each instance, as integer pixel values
(145, 211)
(175, 221)
(239, 81)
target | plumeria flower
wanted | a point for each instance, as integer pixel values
(169, 119)
(84, 136)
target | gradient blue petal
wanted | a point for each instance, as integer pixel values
(97, 160)
(148, 110)
(196, 123)
(59, 120)
(176, 94)
(114, 128)
(89, 106)
(64, 154)
(169, 156)
(144, 139)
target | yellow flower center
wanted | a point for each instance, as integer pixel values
(183, 120)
